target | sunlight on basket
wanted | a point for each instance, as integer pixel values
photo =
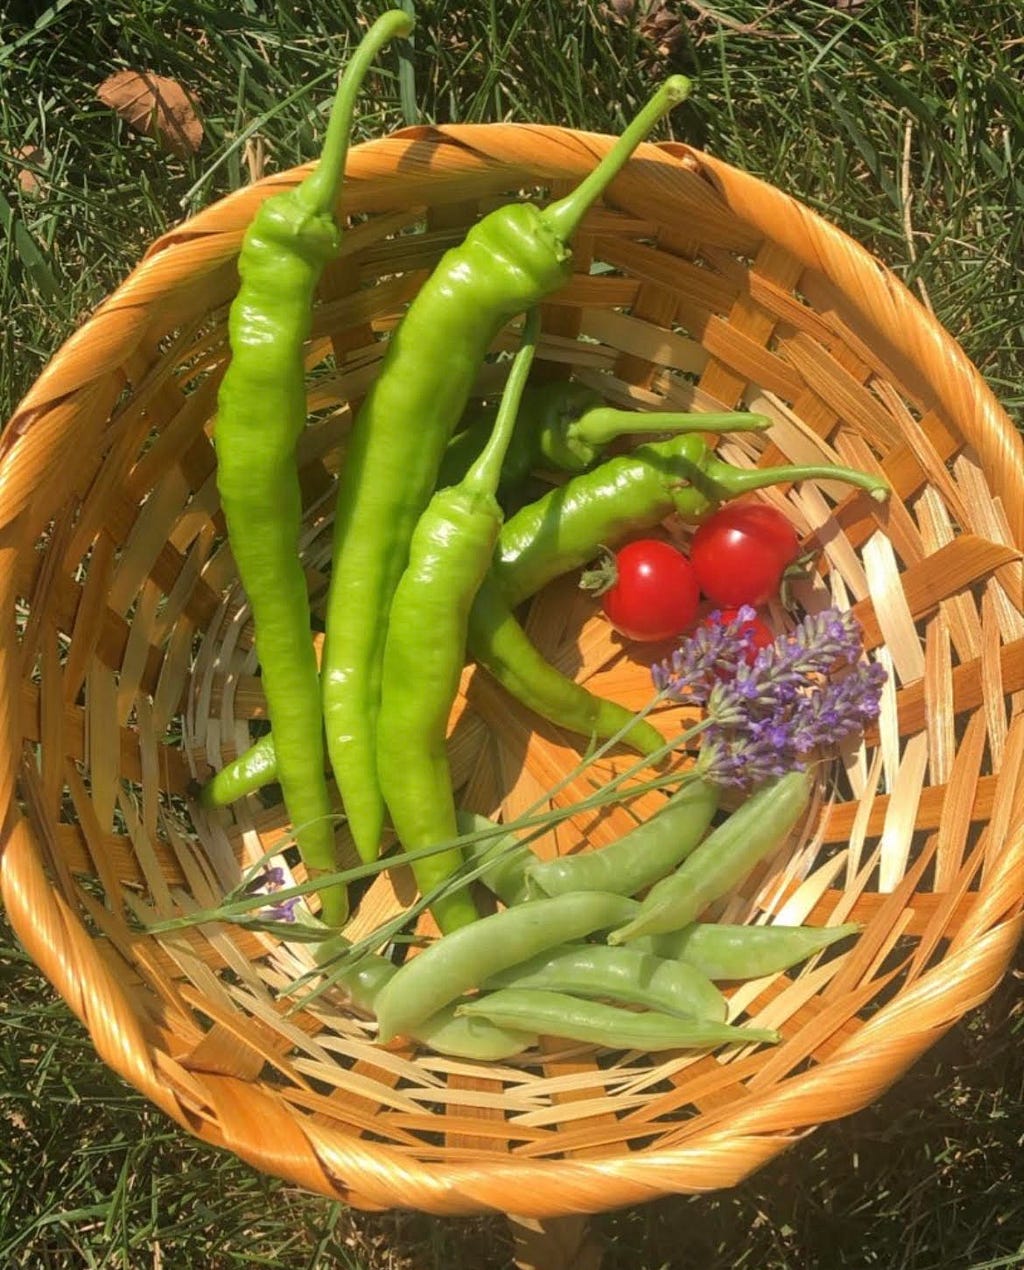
(129, 674)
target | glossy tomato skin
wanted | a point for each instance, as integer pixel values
(655, 594)
(741, 552)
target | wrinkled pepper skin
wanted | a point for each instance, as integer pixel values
(449, 556)
(261, 412)
(509, 262)
(625, 495)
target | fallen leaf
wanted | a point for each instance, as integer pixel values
(29, 181)
(155, 106)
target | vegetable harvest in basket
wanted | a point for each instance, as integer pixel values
(604, 947)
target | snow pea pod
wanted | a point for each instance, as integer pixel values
(443, 1032)
(723, 952)
(725, 857)
(465, 958)
(504, 858)
(640, 857)
(620, 974)
(559, 1014)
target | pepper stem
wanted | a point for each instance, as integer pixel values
(563, 217)
(735, 480)
(483, 476)
(605, 423)
(319, 191)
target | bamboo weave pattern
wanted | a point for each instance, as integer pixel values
(127, 670)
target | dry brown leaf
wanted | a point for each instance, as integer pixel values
(155, 106)
(28, 181)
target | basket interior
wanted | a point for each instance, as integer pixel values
(132, 667)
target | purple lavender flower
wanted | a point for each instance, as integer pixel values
(266, 882)
(284, 911)
(714, 652)
(771, 711)
(271, 879)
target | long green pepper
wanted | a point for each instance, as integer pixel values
(563, 422)
(449, 555)
(567, 426)
(261, 411)
(563, 530)
(510, 261)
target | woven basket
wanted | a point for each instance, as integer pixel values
(127, 671)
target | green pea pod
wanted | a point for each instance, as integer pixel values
(504, 856)
(619, 974)
(261, 411)
(510, 261)
(724, 952)
(449, 556)
(443, 1032)
(468, 956)
(726, 856)
(639, 857)
(558, 1014)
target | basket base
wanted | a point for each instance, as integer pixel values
(558, 1243)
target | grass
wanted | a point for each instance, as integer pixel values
(904, 124)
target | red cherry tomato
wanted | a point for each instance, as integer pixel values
(655, 594)
(741, 552)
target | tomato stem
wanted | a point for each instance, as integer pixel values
(603, 576)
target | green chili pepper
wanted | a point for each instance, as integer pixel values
(510, 260)
(567, 425)
(558, 1014)
(245, 774)
(442, 1032)
(640, 857)
(725, 857)
(502, 647)
(638, 978)
(261, 411)
(563, 530)
(470, 955)
(724, 952)
(449, 555)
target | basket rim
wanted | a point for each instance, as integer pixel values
(855, 1073)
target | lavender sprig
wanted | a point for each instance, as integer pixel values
(267, 881)
(771, 709)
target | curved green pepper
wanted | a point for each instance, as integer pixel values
(563, 530)
(426, 645)
(261, 411)
(510, 260)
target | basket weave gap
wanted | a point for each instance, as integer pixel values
(655, 306)
(749, 317)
